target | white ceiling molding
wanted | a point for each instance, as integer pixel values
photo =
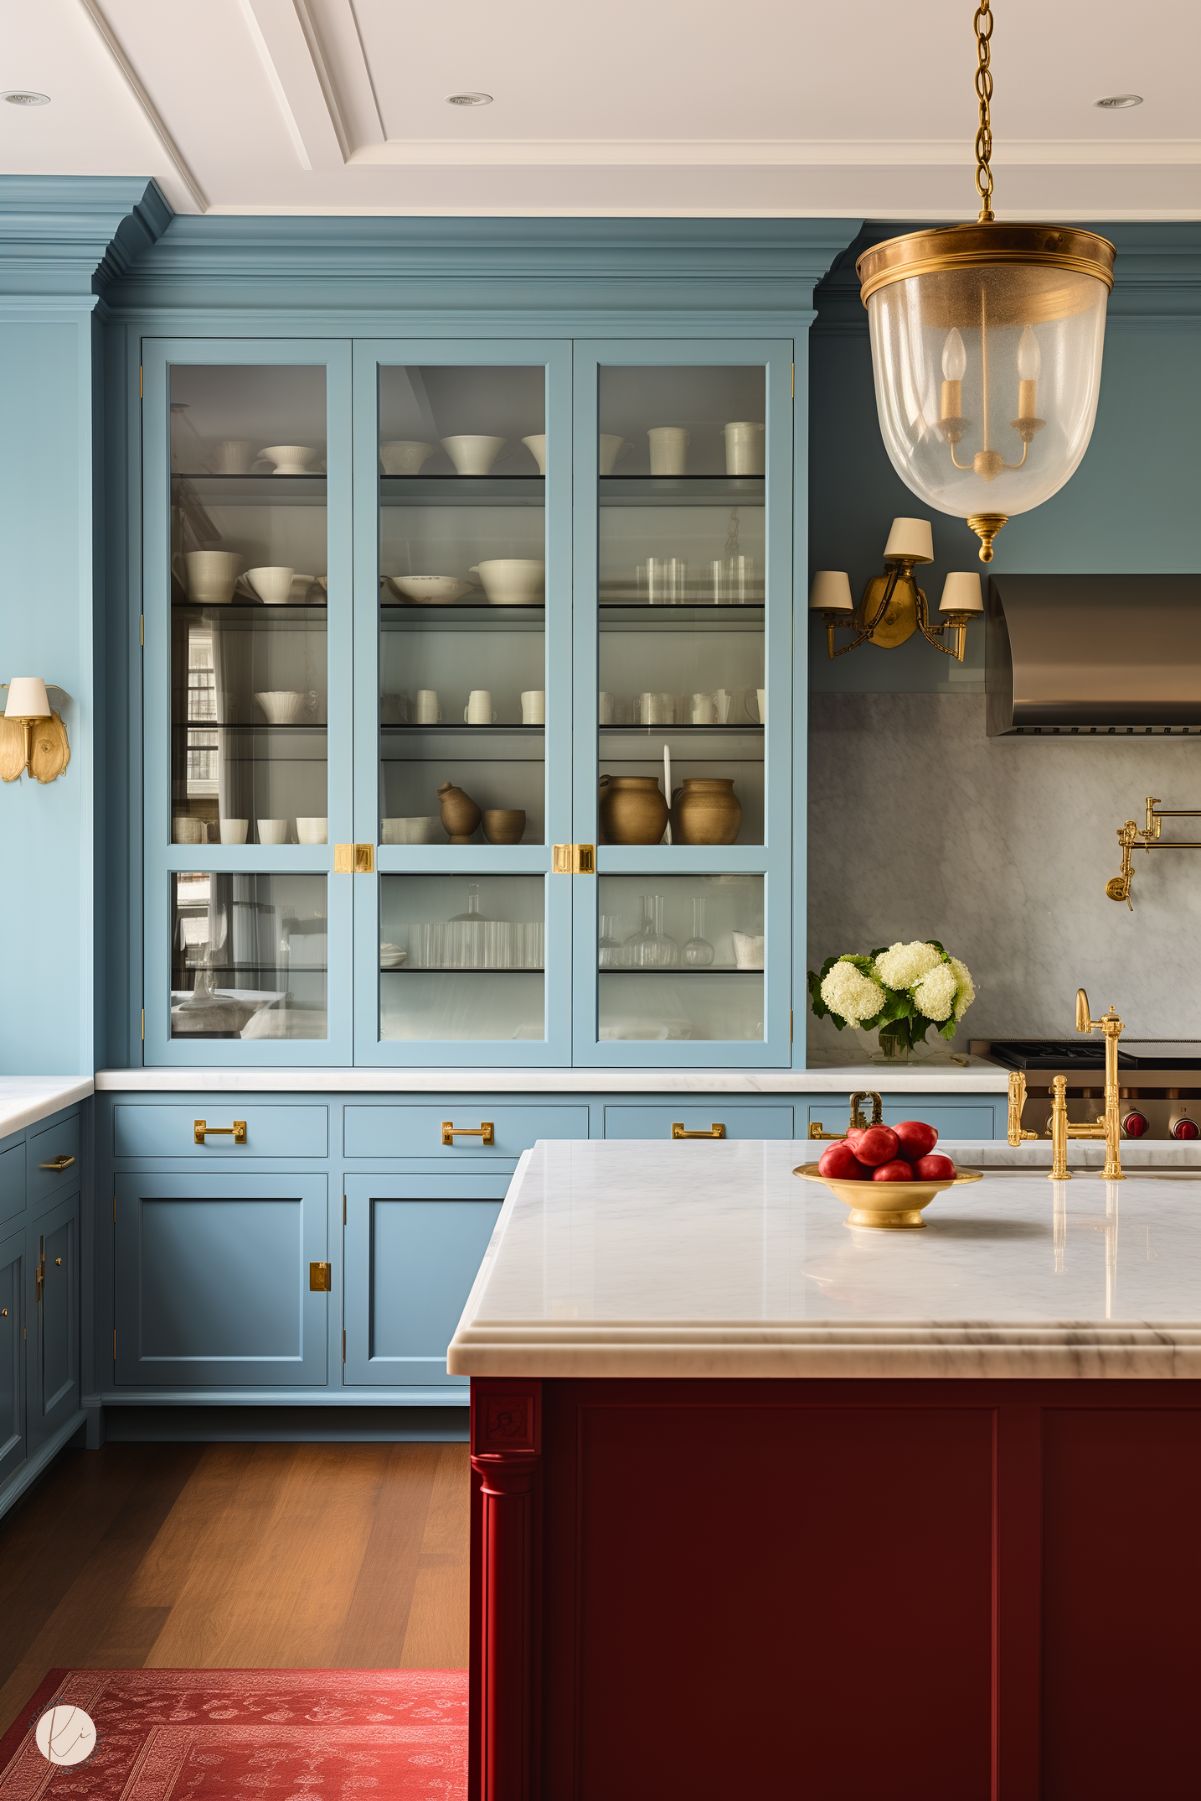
(796, 153)
(116, 50)
(285, 38)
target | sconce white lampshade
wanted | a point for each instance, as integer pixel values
(830, 592)
(27, 698)
(961, 593)
(911, 539)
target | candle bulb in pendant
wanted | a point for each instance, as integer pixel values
(1029, 364)
(954, 364)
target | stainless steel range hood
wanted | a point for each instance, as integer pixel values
(1094, 653)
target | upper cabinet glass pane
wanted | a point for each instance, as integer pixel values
(249, 647)
(682, 594)
(462, 563)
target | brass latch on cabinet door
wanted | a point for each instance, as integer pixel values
(57, 1164)
(486, 1133)
(202, 1130)
(716, 1130)
(354, 859)
(574, 859)
(321, 1277)
(39, 1274)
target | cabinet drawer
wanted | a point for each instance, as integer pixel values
(53, 1159)
(12, 1181)
(145, 1131)
(416, 1131)
(739, 1122)
(951, 1119)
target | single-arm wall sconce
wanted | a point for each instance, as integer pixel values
(893, 607)
(32, 735)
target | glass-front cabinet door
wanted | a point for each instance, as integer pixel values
(683, 575)
(463, 701)
(246, 687)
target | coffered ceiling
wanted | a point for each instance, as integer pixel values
(702, 107)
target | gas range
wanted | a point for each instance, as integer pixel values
(1160, 1081)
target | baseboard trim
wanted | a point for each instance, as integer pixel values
(216, 1424)
(33, 1466)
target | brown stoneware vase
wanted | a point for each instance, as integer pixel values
(460, 814)
(632, 809)
(705, 810)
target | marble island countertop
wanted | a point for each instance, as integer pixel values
(24, 1100)
(641, 1259)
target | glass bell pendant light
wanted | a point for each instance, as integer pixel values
(986, 347)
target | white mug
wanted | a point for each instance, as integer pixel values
(211, 576)
(669, 449)
(233, 456)
(744, 447)
(533, 706)
(479, 709)
(273, 831)
(656, 709)
(702, 709)
(722, 699)
(608, 451)
(427, 708)
(311, 830)
(185, 830)
(757, 710)
(233, 831)
(606, 708)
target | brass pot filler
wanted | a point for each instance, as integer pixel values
(1132, 837)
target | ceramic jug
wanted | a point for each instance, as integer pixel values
(705, 810)
(460, 814)
(632, 809)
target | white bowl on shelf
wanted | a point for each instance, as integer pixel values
(471, 454)
(512, 581)
(290, 459)
(312, 830)
(429, 590)
(416, 829)
(404, 456)
(287, 706)
(271, 584)
(391, 956)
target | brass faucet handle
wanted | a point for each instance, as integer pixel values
(1017, 1103)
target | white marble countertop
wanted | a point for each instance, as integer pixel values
(24, 1100)
(640, 1259)
(971, 1076)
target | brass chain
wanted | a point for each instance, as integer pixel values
(983, 27)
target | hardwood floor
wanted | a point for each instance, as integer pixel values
(301, 1556)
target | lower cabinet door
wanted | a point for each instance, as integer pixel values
(53, 1312)
(216, 1286)
(12, 1360)
(412, 1250)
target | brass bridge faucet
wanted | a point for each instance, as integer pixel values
(1108, 1125)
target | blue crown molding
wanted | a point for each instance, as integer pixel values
(72, 236)
(1157, 274)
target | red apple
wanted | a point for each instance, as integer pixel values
(916, 1138)
(897, 1170)
(839, 1162)
(934, 1168)
(873, 1144)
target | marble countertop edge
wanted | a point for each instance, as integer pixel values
(972, 1077)
(1149, 1359)
(27, 1100)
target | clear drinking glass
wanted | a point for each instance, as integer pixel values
(659, 950)
(608, 947)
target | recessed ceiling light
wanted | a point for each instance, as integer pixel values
(469, 100)
(25, 97)
(1113, 103)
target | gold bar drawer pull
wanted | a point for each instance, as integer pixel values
(486, 1133)
(58, 1164)
(202, 1130)
(716, 1130)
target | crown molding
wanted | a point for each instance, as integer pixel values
(75, 235)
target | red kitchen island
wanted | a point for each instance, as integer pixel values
(765, 1506)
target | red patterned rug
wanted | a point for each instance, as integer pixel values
(265, 1735)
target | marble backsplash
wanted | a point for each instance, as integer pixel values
(922, 826)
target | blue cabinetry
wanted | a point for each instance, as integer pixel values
(54, 1339)
(12, 1354)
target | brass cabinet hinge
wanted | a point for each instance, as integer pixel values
(39, 1274)
(139, 381)
(343, 1209)
(143, 1025)
(794, 381)
(354, 859)
(791, 1017)
(344, 1344)
(321, 1278)
(574, 859)
(142, 631)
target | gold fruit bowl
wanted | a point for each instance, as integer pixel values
(885, 1206)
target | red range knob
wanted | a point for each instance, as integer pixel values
(1136, 1125)
(1185, 1128)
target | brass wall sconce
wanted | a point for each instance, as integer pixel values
(1132, 837)
(33, 737)
(893, 607)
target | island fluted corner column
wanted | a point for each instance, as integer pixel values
(506, 1448)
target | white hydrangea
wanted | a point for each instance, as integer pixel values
(965, 990)
(903, 965)
(850, 993)
(934, 995)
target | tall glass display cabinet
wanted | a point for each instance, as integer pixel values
(467, 698)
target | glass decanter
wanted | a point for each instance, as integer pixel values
(466, 933)
(659, 950)
(698, 952)
(631, 950)
(608, 945)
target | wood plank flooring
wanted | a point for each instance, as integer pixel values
(208, 1556)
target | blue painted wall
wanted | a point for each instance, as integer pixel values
(1133, 506)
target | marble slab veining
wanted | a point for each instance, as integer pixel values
(644, 1259)
(24, 1100)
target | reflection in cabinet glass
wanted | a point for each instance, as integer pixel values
(681, 957)
(249, 555)
(462, 563)
(250, 956)
(462, 958)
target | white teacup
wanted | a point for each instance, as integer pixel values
(233, 831)
(233, 456)
(473, 455)
(272, 584)
(290, 459)
(702, 710)
(536, 445)
(404, 456)
(312, 830)
(427, 708)
(669, 449)
(608, 451)
(185, 830)
(606, 708)
(744, 447)
(418, 829)
(273, 831)
(211, 576)
(533, 706)
(479, 709)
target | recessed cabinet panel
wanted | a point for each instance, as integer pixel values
(12, 1355)
(213, 1285)
(52, 1158)
(12, 1181)
(951, 1119)
(141, 1129)
(54, 1390)
(478, 1128)
(699, 1120)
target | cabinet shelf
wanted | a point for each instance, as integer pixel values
(682, 490)
(451, 969)
(256, 612)
(466, 731)
(683, 969)
(462, 490)
(254, 490)
(249, 725)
